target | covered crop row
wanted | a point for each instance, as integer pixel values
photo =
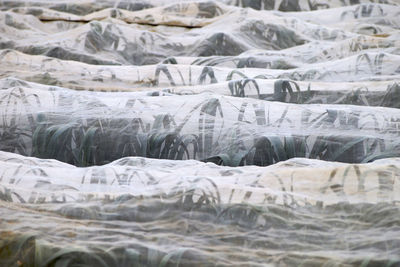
(199, 133)
(86, 128)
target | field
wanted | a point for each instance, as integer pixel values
(200, 133)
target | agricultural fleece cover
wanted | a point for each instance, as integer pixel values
(200, 133)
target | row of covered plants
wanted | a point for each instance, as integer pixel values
(95, 128)
(367, 79)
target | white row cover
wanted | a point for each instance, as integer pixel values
(199, 133)
(293, 182)
(84, 128)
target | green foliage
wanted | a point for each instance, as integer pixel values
(100, 141)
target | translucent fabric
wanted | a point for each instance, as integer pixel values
(199, 133)
(87, 128)
(150, 212)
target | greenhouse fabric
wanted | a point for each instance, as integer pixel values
(200, 133)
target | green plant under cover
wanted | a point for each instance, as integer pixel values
(112, 114)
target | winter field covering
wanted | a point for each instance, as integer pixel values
(200, 133)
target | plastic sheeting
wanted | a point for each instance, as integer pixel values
(206, 133)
